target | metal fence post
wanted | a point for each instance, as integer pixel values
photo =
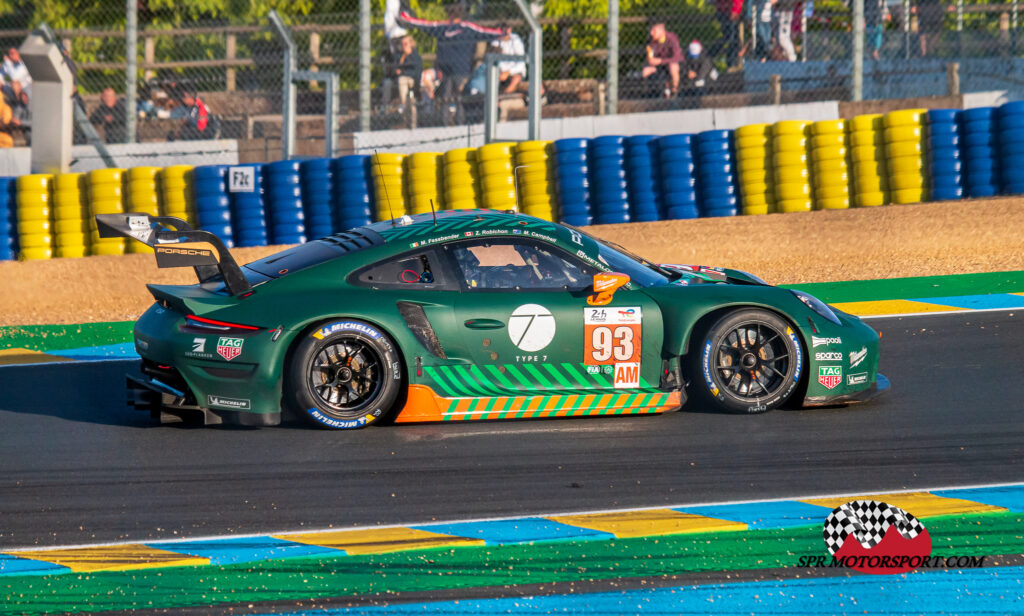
(906, 28)
(536, 67)
(959, 28)
(364, 65)
(131, 74)
(857, 90)
(613, 57)
(288, 93)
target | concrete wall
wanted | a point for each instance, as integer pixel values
(17, 161)
(653, 123)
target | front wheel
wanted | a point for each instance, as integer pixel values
(344, 374)
(750, 361)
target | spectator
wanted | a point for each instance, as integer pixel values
(784, 11)
(762, 28)
(727, 14)
(17, 99)
(7, 125)
(511, 73)
(394, 32)
(663, 58)
(406, 70)
(875, 15)
(15, 70)
(112, 116)
(698, 73)
(199, 122)
(929, 26)
(456, 40)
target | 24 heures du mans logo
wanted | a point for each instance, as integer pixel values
(875, 537)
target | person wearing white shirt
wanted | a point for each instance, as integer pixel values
(392, 30)
(510, 72)
(15, 70)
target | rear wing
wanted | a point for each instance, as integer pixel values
(177, 244)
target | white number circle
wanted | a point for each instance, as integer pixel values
(531, 327)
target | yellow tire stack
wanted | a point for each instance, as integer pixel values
(70, 215)
(35, 233)
(176, 186)
(423, 182)
(754, 160)
(789, 160)
(494, 163)
(462, 187)
(867, 157)
(536, 179)
(106, 196)
(388, 175)
(830, 147)
(906, 155)
(143, 185)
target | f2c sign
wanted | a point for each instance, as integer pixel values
(241, 179)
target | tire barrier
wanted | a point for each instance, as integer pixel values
(350, 182)
(572, 180)
(979, 151)
(495, 168)
(176, 186)
(8, 219)
(286, 220)
(248, 209)
(830, 166)
(791, 165)
(944, 163)
(609, 194)
(315, 178)
(716, 173)
(1010, 125)
(462, 187)
(906, 156)
(753, 144)
(867, 159)
(106, 196)
(643, 177)
(424, 182)
(388, 178)
(535, 174)
(213, 207)
(71, 216)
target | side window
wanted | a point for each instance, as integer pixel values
(417, 271)
(511, 264)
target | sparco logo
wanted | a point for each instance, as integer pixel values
(817, 341)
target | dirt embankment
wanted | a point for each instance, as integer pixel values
(888, 242)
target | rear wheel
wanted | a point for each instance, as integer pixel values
(750, 361)
(344, 374)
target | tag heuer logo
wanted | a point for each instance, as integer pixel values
(830, 376)
(229, 348)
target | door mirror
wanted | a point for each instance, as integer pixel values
(605, 286)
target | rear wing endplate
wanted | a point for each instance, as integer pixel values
(177, 244)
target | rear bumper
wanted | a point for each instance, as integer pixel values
(174, 403)
(879, 387)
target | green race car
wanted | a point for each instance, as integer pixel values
(468, 315)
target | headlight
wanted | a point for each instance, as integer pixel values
(818, 306)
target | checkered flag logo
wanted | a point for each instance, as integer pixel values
(867, 521)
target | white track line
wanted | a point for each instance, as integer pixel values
(965, 311)
(504, 518)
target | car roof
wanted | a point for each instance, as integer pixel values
(449, 225)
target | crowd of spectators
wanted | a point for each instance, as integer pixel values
(16, 87)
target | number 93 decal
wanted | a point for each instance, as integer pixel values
(612, 335)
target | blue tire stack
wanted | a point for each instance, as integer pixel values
(945, 170)
(213, 206)
(316, 197)
(248, 217)
(8, 215)
(283, 190)
(350, 183)
(643, 178)
(571, 175)
(979, 151)
(678, 176)
(606, 157)
(716, 173)
(1011, 147)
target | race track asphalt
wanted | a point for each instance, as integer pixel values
(77, 467)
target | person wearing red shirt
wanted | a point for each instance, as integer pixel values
(663, 56)
(727, 14)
